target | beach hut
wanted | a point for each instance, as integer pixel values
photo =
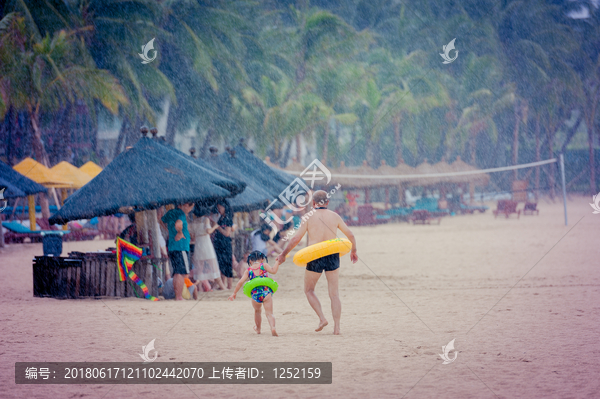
(479, 179)
(387, 170)
(91, 169)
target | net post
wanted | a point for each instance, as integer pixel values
(564, 188)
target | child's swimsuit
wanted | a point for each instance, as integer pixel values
(259, 293)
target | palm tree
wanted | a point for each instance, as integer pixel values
(41, 76)
(299, 48)
(278, 112)
(587, 64)
(205, 60)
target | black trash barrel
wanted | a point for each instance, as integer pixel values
(52, 243)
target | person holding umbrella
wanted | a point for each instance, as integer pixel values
(179, 246)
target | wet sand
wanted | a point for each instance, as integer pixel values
(521, 298)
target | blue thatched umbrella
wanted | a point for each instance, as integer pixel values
(147, 176)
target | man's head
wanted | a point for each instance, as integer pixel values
(320, 199)
(187, 208)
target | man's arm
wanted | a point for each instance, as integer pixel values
(293, 242)
(179, 229)
(344, 228)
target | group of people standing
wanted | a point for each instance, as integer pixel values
(192, 252)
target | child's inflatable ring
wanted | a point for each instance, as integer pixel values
(336, 246)
(260, 281)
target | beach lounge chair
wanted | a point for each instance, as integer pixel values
(464, 208)
(530, 208)
(400, 213)
(507, 207)
(81, 234)
(430, 205)
(17, 233)
(422, 216)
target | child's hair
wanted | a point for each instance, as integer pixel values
(256, 255)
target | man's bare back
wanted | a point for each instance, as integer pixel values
(323, 226)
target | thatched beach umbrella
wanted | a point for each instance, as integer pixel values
(425, 169)
(273, 180)
(41, 174)
(10, 190)
(146, 176)
(444, 167)
(387, 170)
(91, 169)
(295, 166)
(72, 174)
(253, 197)
(480, 179)
(21, 182)
(18, 186)
(44, 176)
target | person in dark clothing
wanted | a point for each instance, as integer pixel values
(130, 232)
(282, 233)
(222, 242)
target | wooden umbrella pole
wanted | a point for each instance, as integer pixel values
(63, 194)
(31, 200)
(140, 224)
(152, 219)
(55, 198)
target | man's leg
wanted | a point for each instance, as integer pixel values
(334, 295)
(178, 284)
(310, 281)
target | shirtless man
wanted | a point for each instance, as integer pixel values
(322, 225)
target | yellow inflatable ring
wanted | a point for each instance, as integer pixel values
(336, 246)
(260, 281)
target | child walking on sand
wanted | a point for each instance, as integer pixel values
(261, 295)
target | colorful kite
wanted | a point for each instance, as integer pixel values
(127, 255)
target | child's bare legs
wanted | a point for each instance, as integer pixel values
(257, 315)
(268, 304)
(310, 281)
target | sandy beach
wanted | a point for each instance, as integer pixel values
(520, 297)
